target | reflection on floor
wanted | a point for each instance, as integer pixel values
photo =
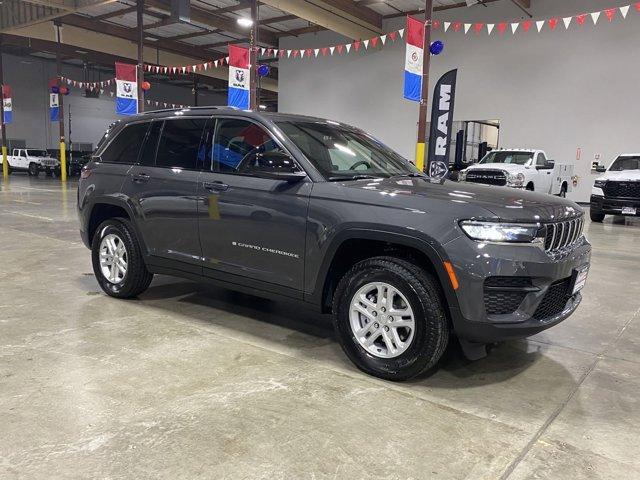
(195, 382)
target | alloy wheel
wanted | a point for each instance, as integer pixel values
(113, 258)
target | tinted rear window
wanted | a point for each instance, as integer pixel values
(180, 142)
(126, 146)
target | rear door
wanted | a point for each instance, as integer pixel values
(162, 188)
(251, 228)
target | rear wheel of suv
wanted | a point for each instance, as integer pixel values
(117, 260)
(390, 319)
(596, 216)
(33, 169)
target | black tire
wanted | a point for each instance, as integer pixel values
(33, 170)
(422, 291)
(137, 278)
(563, 191)
(596, 216)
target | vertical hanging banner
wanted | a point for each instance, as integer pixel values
(126, 89)
(444, 96)
(414, 57)
(7, 104)
(238, 77)
(54, 107)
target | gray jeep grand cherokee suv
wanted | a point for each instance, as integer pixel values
(286, 206)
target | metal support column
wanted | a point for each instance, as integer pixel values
(424, 97)
(140, 31)
(5, 160)
(63, 148)
(253, 57)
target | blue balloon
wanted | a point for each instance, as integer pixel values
(263, 70)
(55, 89)
(436, 47)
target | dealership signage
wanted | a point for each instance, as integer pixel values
(126, 89)
(239, 95)
(441, 124)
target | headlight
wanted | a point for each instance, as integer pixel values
(502, 232)
(462, 175)
(600, 183)
(515, 180)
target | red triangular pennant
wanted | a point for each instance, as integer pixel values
(610, 13)
(553, 23)
(393, 36)
(502, 27)
(526, 25)
(457, 26)
(581, 18)
(638, 6)
(374, 41)
(324, 51)
(356, 45)
(296, 53)
(340, 48)
(476, 27)
(435, 24)
(309, 52)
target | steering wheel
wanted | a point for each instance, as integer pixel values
(357, 164)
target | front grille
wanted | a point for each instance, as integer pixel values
(487, 177)
(554, 300)
(503, 295)
(563, 234)
(622, 189)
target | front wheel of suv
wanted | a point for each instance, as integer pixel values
(596, 216)
(117, 260)
(390, 319)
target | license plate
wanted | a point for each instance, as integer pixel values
(581, 279)
(628, 210)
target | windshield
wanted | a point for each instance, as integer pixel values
(342, 153)
(625, 163)
(37, 153)
(518, 158)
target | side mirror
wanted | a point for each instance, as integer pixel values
(550, 164)
(96, 158)
(275, 165)
(601, 169)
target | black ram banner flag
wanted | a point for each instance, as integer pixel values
(444, 97)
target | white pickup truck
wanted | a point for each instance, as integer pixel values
(33, 161)
(521, 168)
(617, 192)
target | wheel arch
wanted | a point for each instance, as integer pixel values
(103, 209)
(355, 245)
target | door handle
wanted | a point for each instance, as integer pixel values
(141, 178)
(216, 186)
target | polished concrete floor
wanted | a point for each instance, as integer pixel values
(194, 382)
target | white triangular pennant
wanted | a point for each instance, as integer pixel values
(595, 16)
(262, 50)
(226, 59)
(514, 27)
(490, 27)
(401, 32)
(348, 47)
(215, 63)
(288, 53)
(467, 26)
(540, 24)
(624, 11)
(275, 52)
(567, 21)
(446, 26)
(206, 65)
(383, 39)
(302, 53)
(366, 44)
(316, 51)
(331, 49)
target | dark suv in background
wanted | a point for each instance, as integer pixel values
(286, 206)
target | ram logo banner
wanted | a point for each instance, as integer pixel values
(414, 57)
(7, 104)
(239, 95)
(126, 89)
(441, 125)
(54, 107)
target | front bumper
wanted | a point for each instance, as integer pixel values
(613, 206)
(480, 317)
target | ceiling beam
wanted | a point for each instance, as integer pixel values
(211, 19)
(341, 16)
(523, 3)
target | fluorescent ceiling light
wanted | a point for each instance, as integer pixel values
(245, 22)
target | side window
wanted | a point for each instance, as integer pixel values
(148, 155)
(243, 147)
(126, 146)
(179, 145)
(542, 160)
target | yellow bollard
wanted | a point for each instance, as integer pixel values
(420, 156)
(63, 162)
(5, 163)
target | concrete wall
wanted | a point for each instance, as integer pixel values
(559, 91)
(29, 78)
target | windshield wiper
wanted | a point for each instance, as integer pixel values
(353, 177)
(412, 174)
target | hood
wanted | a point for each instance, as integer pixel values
(623, 176)
(463, 200)
(507, 167)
